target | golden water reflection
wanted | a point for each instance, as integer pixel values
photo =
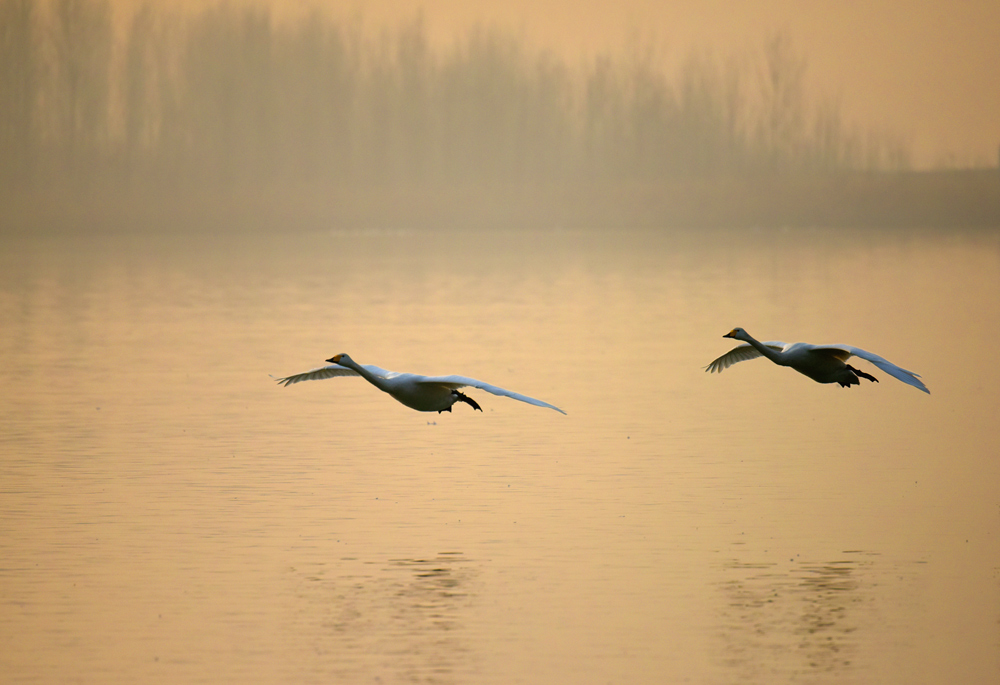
(792, 620)
(405, 617)
(168, 514)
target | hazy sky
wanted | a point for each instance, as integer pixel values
(928, 70)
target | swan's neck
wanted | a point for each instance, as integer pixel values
(768, 352)
(364, 373)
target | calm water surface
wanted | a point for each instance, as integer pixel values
(169, 515)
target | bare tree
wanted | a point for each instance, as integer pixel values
(19, 73)
(782, 103)
(81, 39)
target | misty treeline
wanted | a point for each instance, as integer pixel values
(232, 95)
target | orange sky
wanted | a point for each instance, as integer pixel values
(928, 70)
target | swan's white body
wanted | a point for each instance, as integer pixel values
(822, 363)
(423, 393)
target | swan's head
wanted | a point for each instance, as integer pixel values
(339, 359)
(737, 333)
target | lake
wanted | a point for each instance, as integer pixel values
(169, 514)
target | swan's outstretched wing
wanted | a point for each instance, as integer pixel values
(456, 382)
(741, 353)
(330, 371)
(902, 374)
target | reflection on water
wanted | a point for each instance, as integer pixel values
(167, 514)
(785, 621)
(407, 618)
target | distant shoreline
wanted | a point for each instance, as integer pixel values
(922, 199)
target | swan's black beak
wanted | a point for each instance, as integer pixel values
(729, 335)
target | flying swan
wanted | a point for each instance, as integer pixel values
(423, 393)
(822, 363)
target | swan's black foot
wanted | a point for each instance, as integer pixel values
(441, 410)
(862, 374)
(465, 398)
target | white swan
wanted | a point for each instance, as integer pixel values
(423, 393)
(822, 363)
